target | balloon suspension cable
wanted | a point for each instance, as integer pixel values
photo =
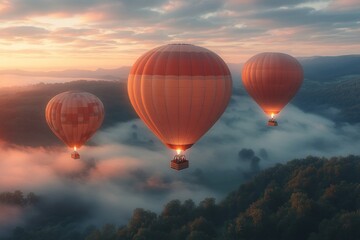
(272, 121)
(75, 154)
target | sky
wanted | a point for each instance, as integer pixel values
(125, 166)
(90, 34)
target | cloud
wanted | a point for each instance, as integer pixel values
(10, 216)
(73, 32)
(22, 33)
(342, 5)
(181, 9)
(105, 30)
(307, 16)
(24, 9)
(127, 167)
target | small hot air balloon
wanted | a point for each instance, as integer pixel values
(74, 117)
(272, 80)
(179, 91)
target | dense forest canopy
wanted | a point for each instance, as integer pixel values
(305, 199)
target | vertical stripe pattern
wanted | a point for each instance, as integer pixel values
(272, 80)
(74, 116)
(179, 91)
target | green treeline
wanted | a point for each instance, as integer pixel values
(28, 103)
(342, 95)
(306, 199)
(312, 199)
(17, 198)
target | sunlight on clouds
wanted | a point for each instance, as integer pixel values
(110, 34)
(344, 4)
(114, 167)
(317, 5)
(57, 21)
(240, 25)
(284, 32)
(172, 5)
(92, 17)
(4, 5)
(9, 216)
(168, 7)
(157, 10)
(121, 172)
(209, 15)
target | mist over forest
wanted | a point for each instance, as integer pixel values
(122, 188)
(328, 91)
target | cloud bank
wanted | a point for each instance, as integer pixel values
(127, 167)
(114, 33)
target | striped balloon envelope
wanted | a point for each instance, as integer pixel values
(74, 117)
(179, 91)
(272, 80)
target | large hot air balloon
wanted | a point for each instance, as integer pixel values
(272, 80)
(179, 91)
(74, 117)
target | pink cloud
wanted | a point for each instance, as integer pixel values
(9, 215)
(114, 168)
(173, 6)
(5, 6)
(31, 168)
(344, 4)
(93, 16)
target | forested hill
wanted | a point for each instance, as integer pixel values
(22, 109)
(330, 68)
(305, 199)
(331, 87)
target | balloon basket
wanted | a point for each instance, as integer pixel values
(75, 155)
(272, 123)
(179, 164)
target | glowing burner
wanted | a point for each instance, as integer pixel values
(179, 162)
(272, 122)
(75, 154)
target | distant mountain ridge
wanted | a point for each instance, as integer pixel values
(330, 68)
(100, 73)
(316, 68)
(337, 100)
(23, 109)
(331, 86)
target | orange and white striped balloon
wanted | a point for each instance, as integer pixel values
(74, 116)
(179, 91)
(272, 79)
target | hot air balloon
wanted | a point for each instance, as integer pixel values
(179, 91)
(74, 117)
(272, 80)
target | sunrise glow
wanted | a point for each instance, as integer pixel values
(97, 34)
(262, 97)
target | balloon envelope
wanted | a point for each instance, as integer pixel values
(272, 80)
(74, 116)
(179, 91)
